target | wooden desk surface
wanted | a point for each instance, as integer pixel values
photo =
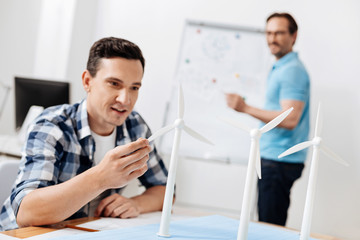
(33, 231)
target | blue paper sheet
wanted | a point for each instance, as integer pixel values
(207, 228)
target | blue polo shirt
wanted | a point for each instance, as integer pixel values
(288, 80)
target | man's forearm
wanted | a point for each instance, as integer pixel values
(53, 204)
(151, 200)
(290, 122)
(261, 114)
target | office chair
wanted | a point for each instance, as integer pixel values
(8, 172)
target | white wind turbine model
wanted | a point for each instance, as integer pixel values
(169, 192)
(316, 142)
(254, 164)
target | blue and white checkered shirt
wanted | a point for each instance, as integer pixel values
(60, 146)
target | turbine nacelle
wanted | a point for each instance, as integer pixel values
(255, 133)
(317, 141)
(179, 123)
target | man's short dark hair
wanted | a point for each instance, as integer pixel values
(293, 27)
(111, 47)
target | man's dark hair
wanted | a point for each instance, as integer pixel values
(111, 47)
(293, 27)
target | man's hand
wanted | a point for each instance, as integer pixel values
(117, 206)
(238, 103)
(123, 163)
(235, 102)
(55, 203)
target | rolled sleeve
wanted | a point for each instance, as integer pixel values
(38, 166)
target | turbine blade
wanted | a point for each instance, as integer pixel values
(196, 135)
(160, 132)
(235, 123)
(318, 125)
(181, 102)
(273, 123)
(258, 161)
(333, 155)
(296, 148)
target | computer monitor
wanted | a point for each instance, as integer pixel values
(40, 92)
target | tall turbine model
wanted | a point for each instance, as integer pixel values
(254, 164)
(169, 192)
(316, 142)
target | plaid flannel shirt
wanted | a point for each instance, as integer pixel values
(60, 146)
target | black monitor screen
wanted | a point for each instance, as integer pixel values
(29, 91)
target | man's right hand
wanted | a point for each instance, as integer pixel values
(123, 163)
(55, 203)
(235, 102)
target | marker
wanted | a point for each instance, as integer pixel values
(81, 228)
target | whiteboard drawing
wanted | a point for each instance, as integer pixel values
(213, 60)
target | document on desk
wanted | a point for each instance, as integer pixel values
(58, 233)
(117, 223)
(209, 227)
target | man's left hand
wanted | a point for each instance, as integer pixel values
(117, 206)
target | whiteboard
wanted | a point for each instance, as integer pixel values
(214, 59)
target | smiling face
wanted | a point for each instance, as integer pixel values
(279, 39)
(112, 93)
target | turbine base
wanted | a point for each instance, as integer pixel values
(164, 235)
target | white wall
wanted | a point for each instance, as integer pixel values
(83, 36)
(19, 23)
(328, 43)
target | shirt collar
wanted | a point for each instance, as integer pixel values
(82, 120)
(287, 57)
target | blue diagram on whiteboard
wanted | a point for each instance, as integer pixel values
(213, 60)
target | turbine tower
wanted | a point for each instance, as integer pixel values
(178, 125)
(316, 142)
(254, 164)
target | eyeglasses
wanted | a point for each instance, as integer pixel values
(276, 34)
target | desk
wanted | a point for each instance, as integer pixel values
(34, 231)
(151, 218)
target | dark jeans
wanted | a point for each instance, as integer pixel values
(274, 186)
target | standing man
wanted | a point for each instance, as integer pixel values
(288, 86)
(77, 158)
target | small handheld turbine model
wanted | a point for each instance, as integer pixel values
(169, 192)
(254, 164)
(316, 142)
